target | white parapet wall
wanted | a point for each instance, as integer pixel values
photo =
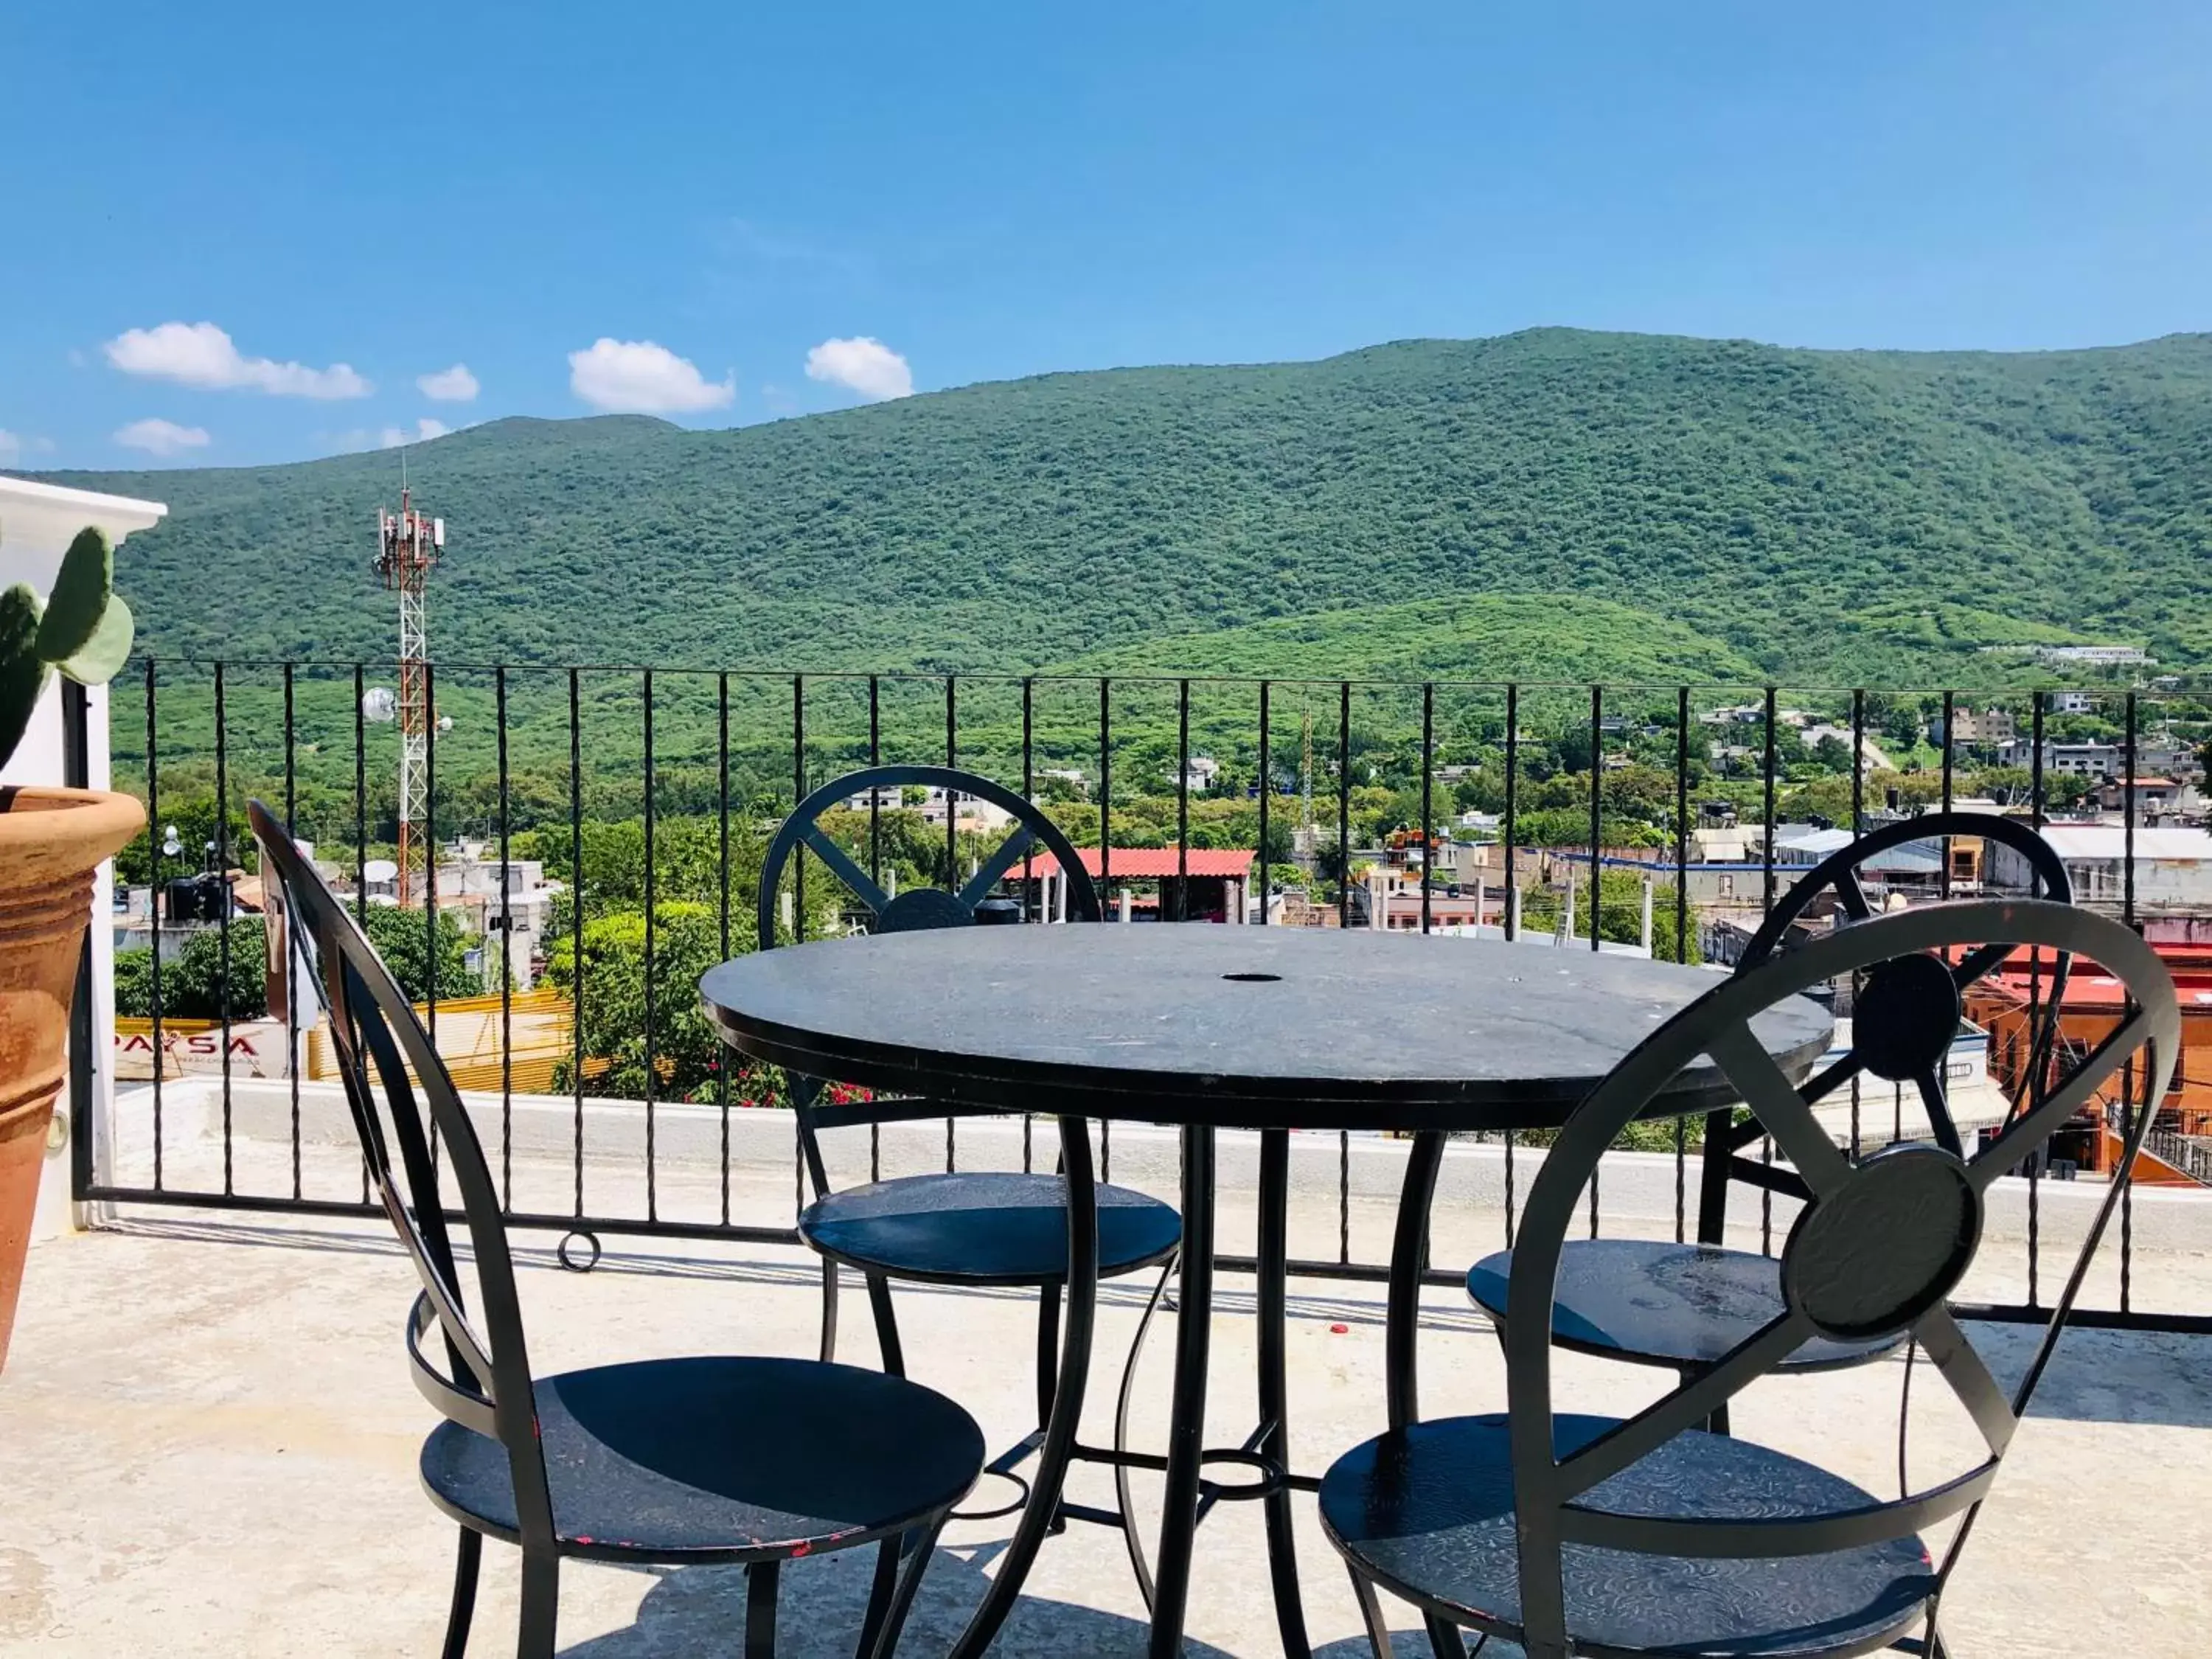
(36, 523)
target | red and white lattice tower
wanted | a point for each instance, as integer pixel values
(407, 545)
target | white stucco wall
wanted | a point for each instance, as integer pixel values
(36, 523)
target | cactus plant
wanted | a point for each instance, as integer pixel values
(83, 630)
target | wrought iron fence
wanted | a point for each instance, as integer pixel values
(577, 766)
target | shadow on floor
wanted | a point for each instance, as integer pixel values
(695, 1610)
(1229, 1298)
(2106, 1377)
(1412, 1644)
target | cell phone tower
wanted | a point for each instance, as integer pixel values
(407, 545)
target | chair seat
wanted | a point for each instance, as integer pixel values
(720, 1459)
(1427, 1511)
(991, 1227)
(1658, 1304)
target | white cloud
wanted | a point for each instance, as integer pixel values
(640, 378)
(425, 429)
(449, 385)
(11, 445)
(202, 355)
(862, 364)
(160, 437)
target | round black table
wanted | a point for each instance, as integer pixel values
(1206, 1027)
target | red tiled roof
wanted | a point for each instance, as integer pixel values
(1152, 863)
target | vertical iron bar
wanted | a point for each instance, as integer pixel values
(360, 825)
(875, 870)
(223, 897)
(727, 1058)
(951, 800)
(799, 895)
(652, 1192)
(1950, 762)
(576, 920)
(360, 809)
(2128, 1101)
(291, 977)
(2128, 825)
(1512, 917)
(1029, 793)
(1766, 907)
(1267, 789)
(1858, 827)
(798, 794)
(154, 898)
(1105, 790)
(1512, 876)
(1766, 841)
(1428, 801)
(431, 862)
(1597, 873)
(2035, 962)
(875, 796)
(506, 949)
(952, 851)
(1343, 805)
(1597, 846)
(1682, 825)
(1682, 927)
(1182, 804)
(1030, 887)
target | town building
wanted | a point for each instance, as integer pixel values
(1146, 883)
(2173, 866)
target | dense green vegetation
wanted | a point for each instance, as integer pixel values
(1858, 517)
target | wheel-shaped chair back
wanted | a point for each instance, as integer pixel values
(1874, 1253)
(916, 908)
(1902, 983)
(382, 1050)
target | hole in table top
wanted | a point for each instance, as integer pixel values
(1254, 979)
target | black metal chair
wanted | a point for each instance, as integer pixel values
(976, 1228)
(1575, 1535)
(678, 1461)
(1684, 1305)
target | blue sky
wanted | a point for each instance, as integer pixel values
(937, 195)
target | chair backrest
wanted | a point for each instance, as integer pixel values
(1876, 1251)
(917, 909)
(1839, 873)
(377, 1040)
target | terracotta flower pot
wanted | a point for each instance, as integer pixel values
(51, 842)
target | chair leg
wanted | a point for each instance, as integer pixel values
(759, 1609)
(1125, 1499)
(830, 1277)
(880, 1592)
(887, 1336)
(1444, 1638)
(1718, 1422)
(1047, 1350)
(925, 1546)
(541, 1603)
(464, 1594)
(1370, 1614)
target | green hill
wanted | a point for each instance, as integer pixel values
(1837, 517)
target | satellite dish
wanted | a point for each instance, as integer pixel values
(380, 870)
(379, 704)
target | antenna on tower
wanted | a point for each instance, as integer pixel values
(407, 543)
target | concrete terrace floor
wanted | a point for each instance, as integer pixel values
(211, 1440)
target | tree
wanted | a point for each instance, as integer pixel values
(686, 1055)
(1620, 913)
(192, 986)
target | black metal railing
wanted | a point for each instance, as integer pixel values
(647, 793)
